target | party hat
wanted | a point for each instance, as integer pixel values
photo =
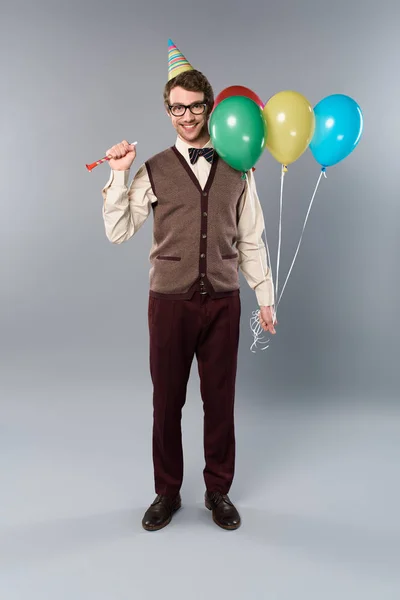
(177, 63)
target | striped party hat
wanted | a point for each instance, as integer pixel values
(177, 63)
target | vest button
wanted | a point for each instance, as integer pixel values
(204, 214)
(204, 193)
(202, 274)
(202, 255)
(204, 235)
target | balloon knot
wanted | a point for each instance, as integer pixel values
(243, 175)
(284, 168)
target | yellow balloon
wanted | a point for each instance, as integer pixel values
(290, 125)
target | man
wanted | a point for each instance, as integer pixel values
(204, 229)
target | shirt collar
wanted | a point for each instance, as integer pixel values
(183, 147)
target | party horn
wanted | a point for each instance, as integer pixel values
(99, 162)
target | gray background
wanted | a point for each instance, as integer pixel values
(317, 412)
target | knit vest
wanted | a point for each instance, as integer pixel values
(194, 230)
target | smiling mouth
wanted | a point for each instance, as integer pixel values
(189, 126)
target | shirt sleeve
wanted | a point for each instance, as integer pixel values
(252, 252)
(125, 209)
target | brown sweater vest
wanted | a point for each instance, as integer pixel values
(194, 230)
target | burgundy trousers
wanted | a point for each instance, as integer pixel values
(179, 330)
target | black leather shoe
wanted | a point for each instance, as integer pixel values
(160, 512)
(223, 511)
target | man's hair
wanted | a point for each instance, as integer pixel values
(192, 81)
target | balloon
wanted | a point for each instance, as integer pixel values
(238, 90)
(290, 121)
(238, 132)
(338, 129)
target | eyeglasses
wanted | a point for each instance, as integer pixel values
(196, 108)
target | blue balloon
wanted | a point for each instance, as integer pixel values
(338, 129)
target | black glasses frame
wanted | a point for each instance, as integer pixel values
(188, 106)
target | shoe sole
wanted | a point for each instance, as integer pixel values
(167, 522)
(227, 527)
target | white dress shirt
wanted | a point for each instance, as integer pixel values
(126, 208)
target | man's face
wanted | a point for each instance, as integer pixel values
(190, 127)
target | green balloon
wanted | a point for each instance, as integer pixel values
(238, 132)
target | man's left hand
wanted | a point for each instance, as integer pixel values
(268, 319)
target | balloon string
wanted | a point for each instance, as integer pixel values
(258, 331)
(301, 236)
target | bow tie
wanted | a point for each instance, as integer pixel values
(194, 154)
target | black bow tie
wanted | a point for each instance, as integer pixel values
(194, 154)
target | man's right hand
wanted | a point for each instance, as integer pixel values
(121, 156)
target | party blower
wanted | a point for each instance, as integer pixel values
(99, 162)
